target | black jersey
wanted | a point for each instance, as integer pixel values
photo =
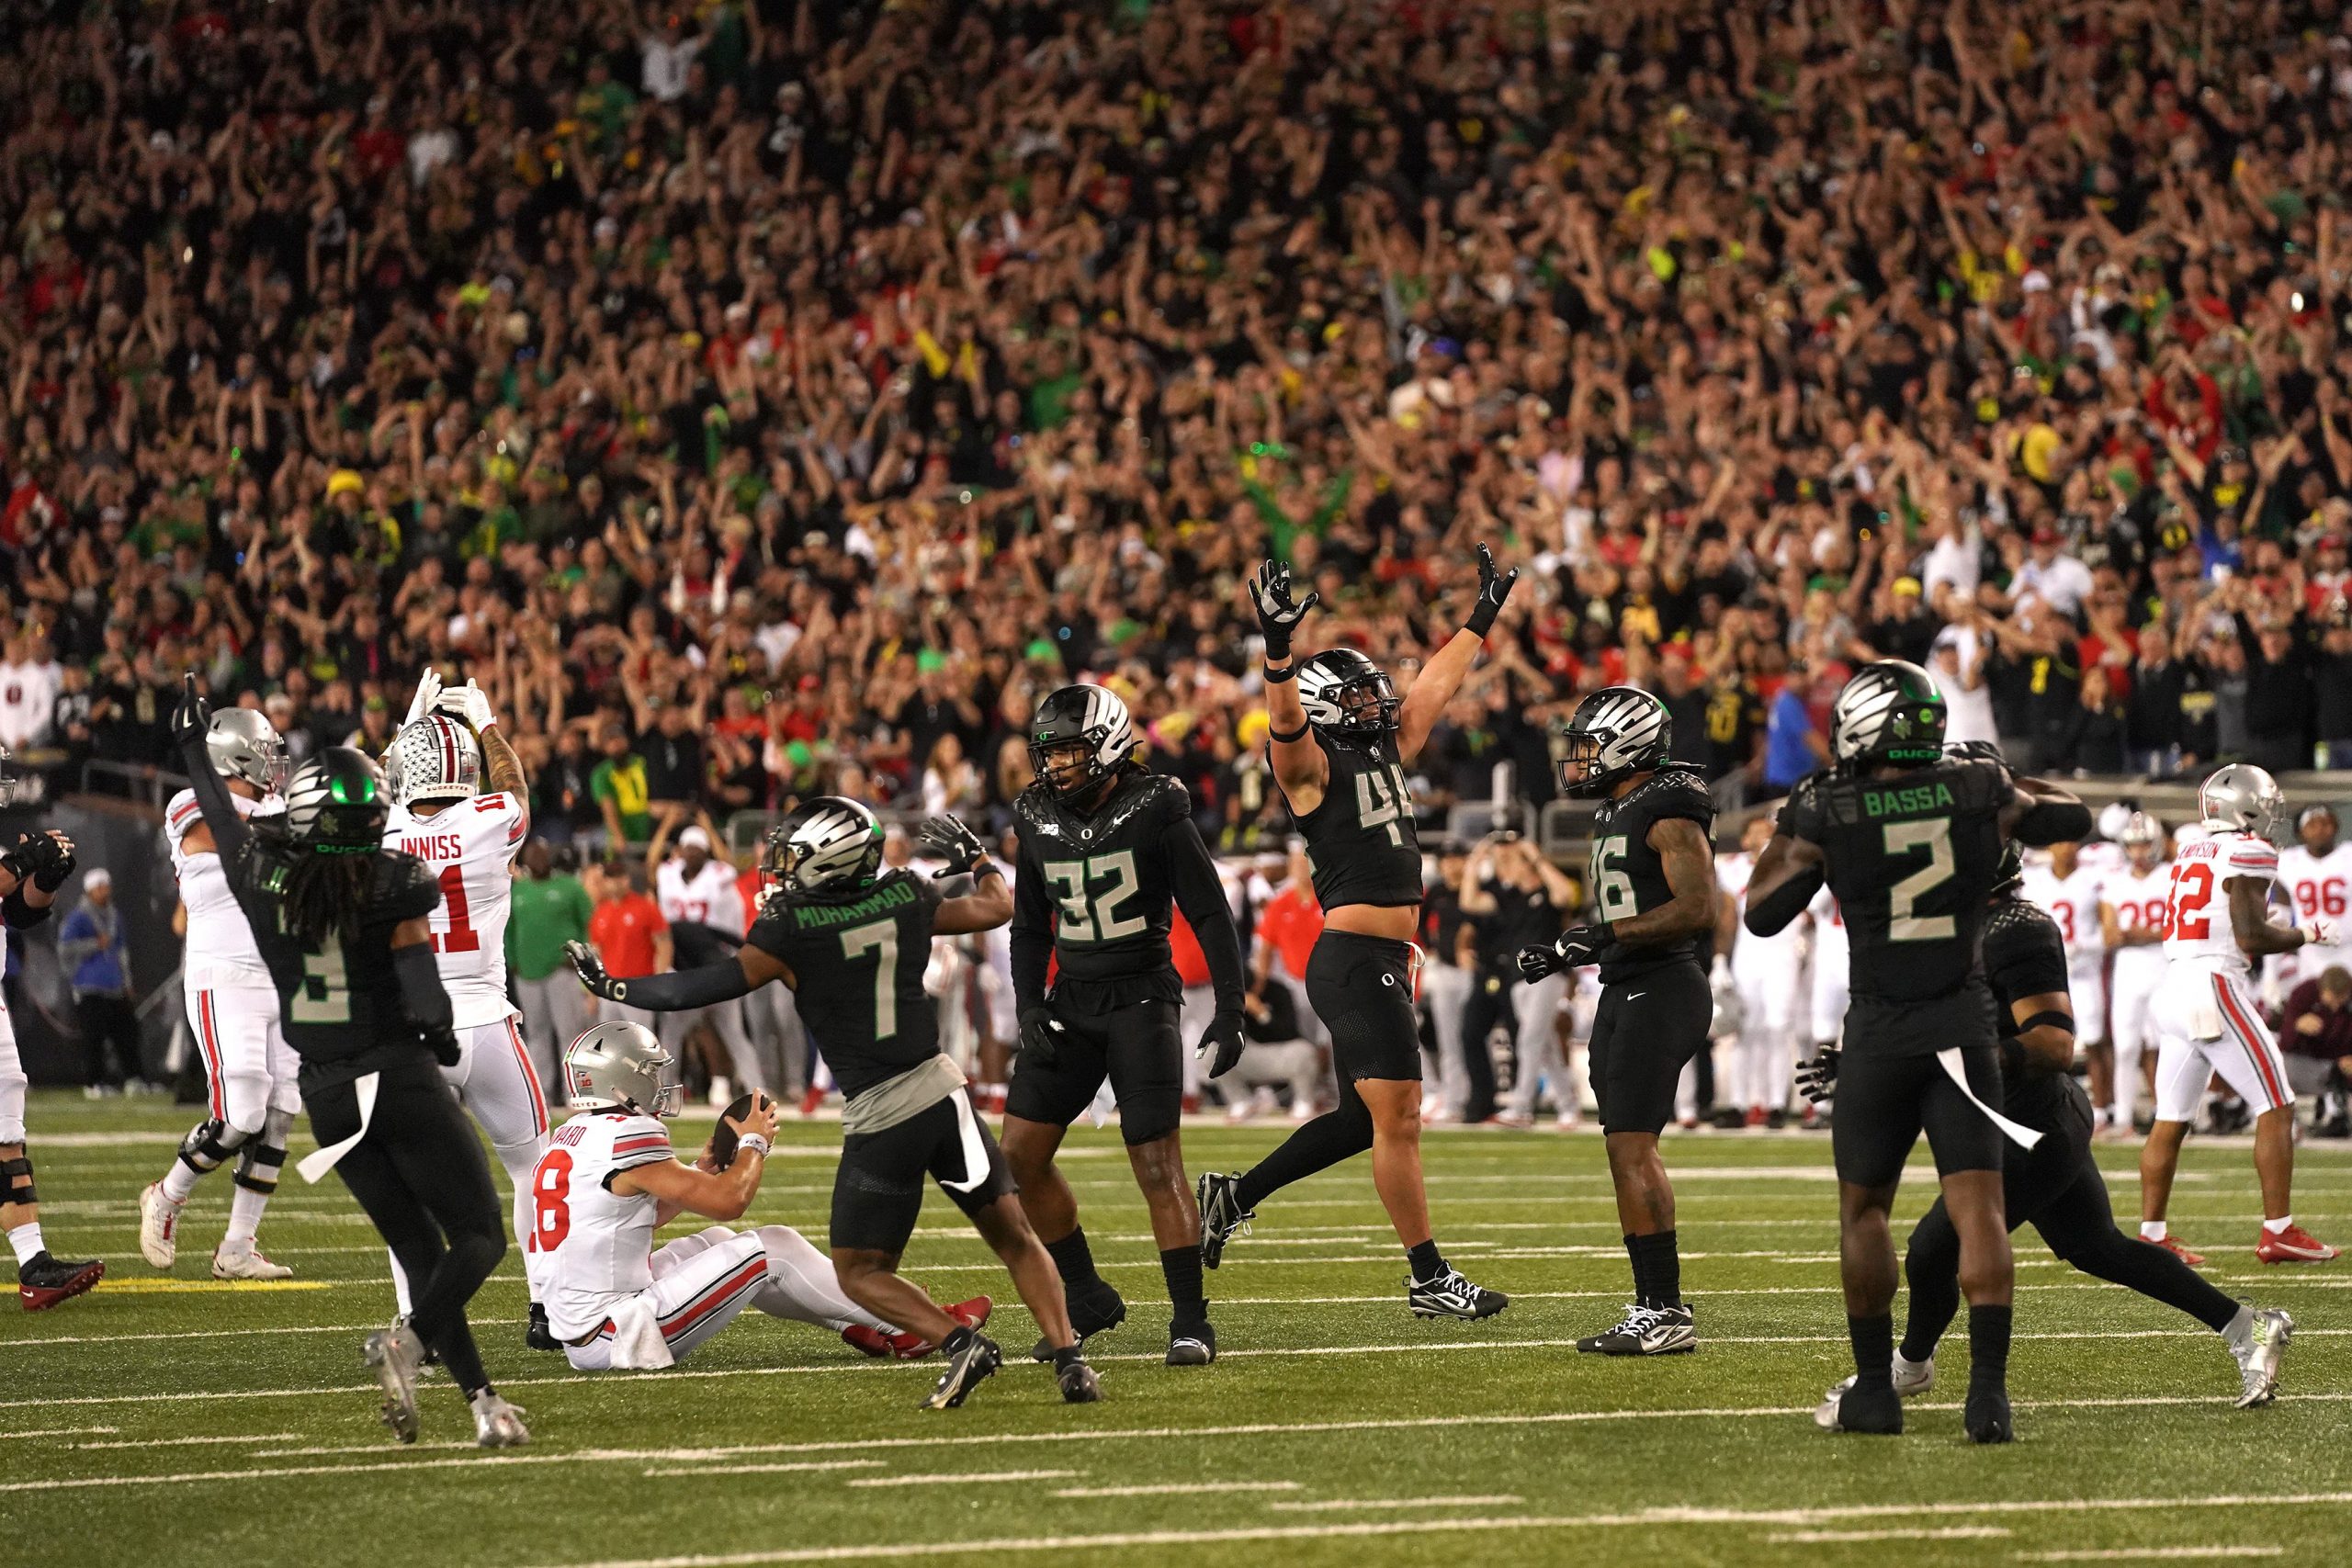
(1626, 876)
(1912, 859)
(2025, 956)
(1359, 838)
(1094, 890)
(857, 968)
(339, 1002)
(1441, 922)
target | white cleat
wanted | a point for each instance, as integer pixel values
(242, 1261)
(2259, 1355)
(159, 1227)
(498, 1425)
(397, 1357)
(1912, 1379)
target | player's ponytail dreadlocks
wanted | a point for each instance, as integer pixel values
(323, 896)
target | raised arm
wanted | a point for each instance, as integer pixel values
(190, 719)
(990, 903)
(1442, 676)
(2042, 813)
(1300, 767)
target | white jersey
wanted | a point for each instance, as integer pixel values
(710, 897)
(1785, 946)
(2198, 929)
(1833, 946)
(2319, 885)
(220, 948)
(2138, 899)
(469, 844)
(2072, 902)
(597, 1246)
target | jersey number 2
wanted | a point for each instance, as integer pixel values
(2192, 890)
(881, 938)
(460, 937)
(1904, 838)
(550, 1201)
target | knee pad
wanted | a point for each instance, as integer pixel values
(16, 1181)
(260, 1157)
(209, 1144)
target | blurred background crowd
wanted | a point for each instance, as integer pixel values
(766, 395)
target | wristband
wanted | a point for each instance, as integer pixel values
(1286, 737)
(751, 1144)
(985, 867)
(1276, 677)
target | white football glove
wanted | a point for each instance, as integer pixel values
(2319, 930)
(470, 703)
(428, 695)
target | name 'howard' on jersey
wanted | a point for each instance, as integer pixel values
(1360, 843)
(1912, 860)
(1101, 879)
(1626, 876)
(857, 965)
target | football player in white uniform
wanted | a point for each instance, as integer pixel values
(30, 875)
(1832, 975)
(231, 1004)
(2068, 889)
(1768, 973)
(469, 843)
(610, 1178)
(696, 888)
(2218, 919)
(2131, 914)
(2316, 873)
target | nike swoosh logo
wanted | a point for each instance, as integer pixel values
(1635, 996)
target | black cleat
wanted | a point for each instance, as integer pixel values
(42, 1282)
(1097, 1309)
(967, 1367)
(1191, 1345)
(538, 1335)
(1222, 1215)
(1853, 1409)
(1987, 1417)
(1450, 1295)
(1079, 1383)
(1646, 1331)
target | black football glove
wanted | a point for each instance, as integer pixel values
(442, 1040)
(1039, 1035)
(46, 858)
(1576, 947)
(1278, 613)
(1494, 587)
(952, 841)
(591, 970)
(1817, 1079)
(1224, 1033)
(189, 716)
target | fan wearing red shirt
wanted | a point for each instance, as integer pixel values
(629, 932)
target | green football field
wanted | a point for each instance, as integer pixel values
(173, 1420)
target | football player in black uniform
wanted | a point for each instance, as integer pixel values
(2055, 1185)
(341, 921)
(1652, 881)
(1105, 849)
(1339, 741)
(852, 941)
(1910, 842)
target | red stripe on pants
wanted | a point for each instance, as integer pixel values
(2251, 1041)
(215, 1100)
(711, 1300)
(530, 1077)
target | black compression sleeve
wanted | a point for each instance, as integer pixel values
(18, 913)
(1031, 936)
(683, 988)
(228, 829)
(422, 997)
(1193, 875)
(2054, 822)
(1771, 914)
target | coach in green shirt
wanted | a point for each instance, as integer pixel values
(548, 910)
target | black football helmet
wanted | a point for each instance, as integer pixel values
(828, 847)
(1890, 712)
(1345, 692)
(1078, 738)
(336, 804)
(1616, 732)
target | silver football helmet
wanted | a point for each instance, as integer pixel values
(435, 759)
(243, 744)
(2141, 829)
(17, 785)
(619, 1067)
(830, 845)
(2242, 797)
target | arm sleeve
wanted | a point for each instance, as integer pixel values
(229, 831)
(1771, 914)
(422, 997)
(18, 914)
(2024, 956)
(1192, 876)
(681, 988)
(2054, 822)
(1031, 936)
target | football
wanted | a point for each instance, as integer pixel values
(722, 1137)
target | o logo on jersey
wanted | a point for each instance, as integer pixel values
(1388, 979)
(1087, 834)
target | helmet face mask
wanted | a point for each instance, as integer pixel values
(2317, 827)
(1890, 712)
(621, 1067)
(1345, 692)
(1615, 733)
(1079, 736)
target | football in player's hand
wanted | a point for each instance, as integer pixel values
(724, 1137)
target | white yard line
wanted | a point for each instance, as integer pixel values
(769, 1469)
(1951, 1532)
(959, 1480)
(192, 1442)
(2149, 1553)
(59, 1432)
(1178, 1489)
(1341, 1504)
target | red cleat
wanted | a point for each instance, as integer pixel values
(812, 1100)
(44, 1281)
(2293, 1245)
(2193, 1258)
(973, 1313)
(1757, 1116)
(873, 1342)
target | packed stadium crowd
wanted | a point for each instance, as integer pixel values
(766, 397)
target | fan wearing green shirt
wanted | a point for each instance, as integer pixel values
(548, 910)
(619, 785)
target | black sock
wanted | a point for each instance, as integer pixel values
(961, 1336)
(1323, 1143)
(1428, 1264)
(1874, 1338)
(1657, 1269)
(1069, 1356)
(1073, 1258)
(1988, 1348)
(1182, 1265)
